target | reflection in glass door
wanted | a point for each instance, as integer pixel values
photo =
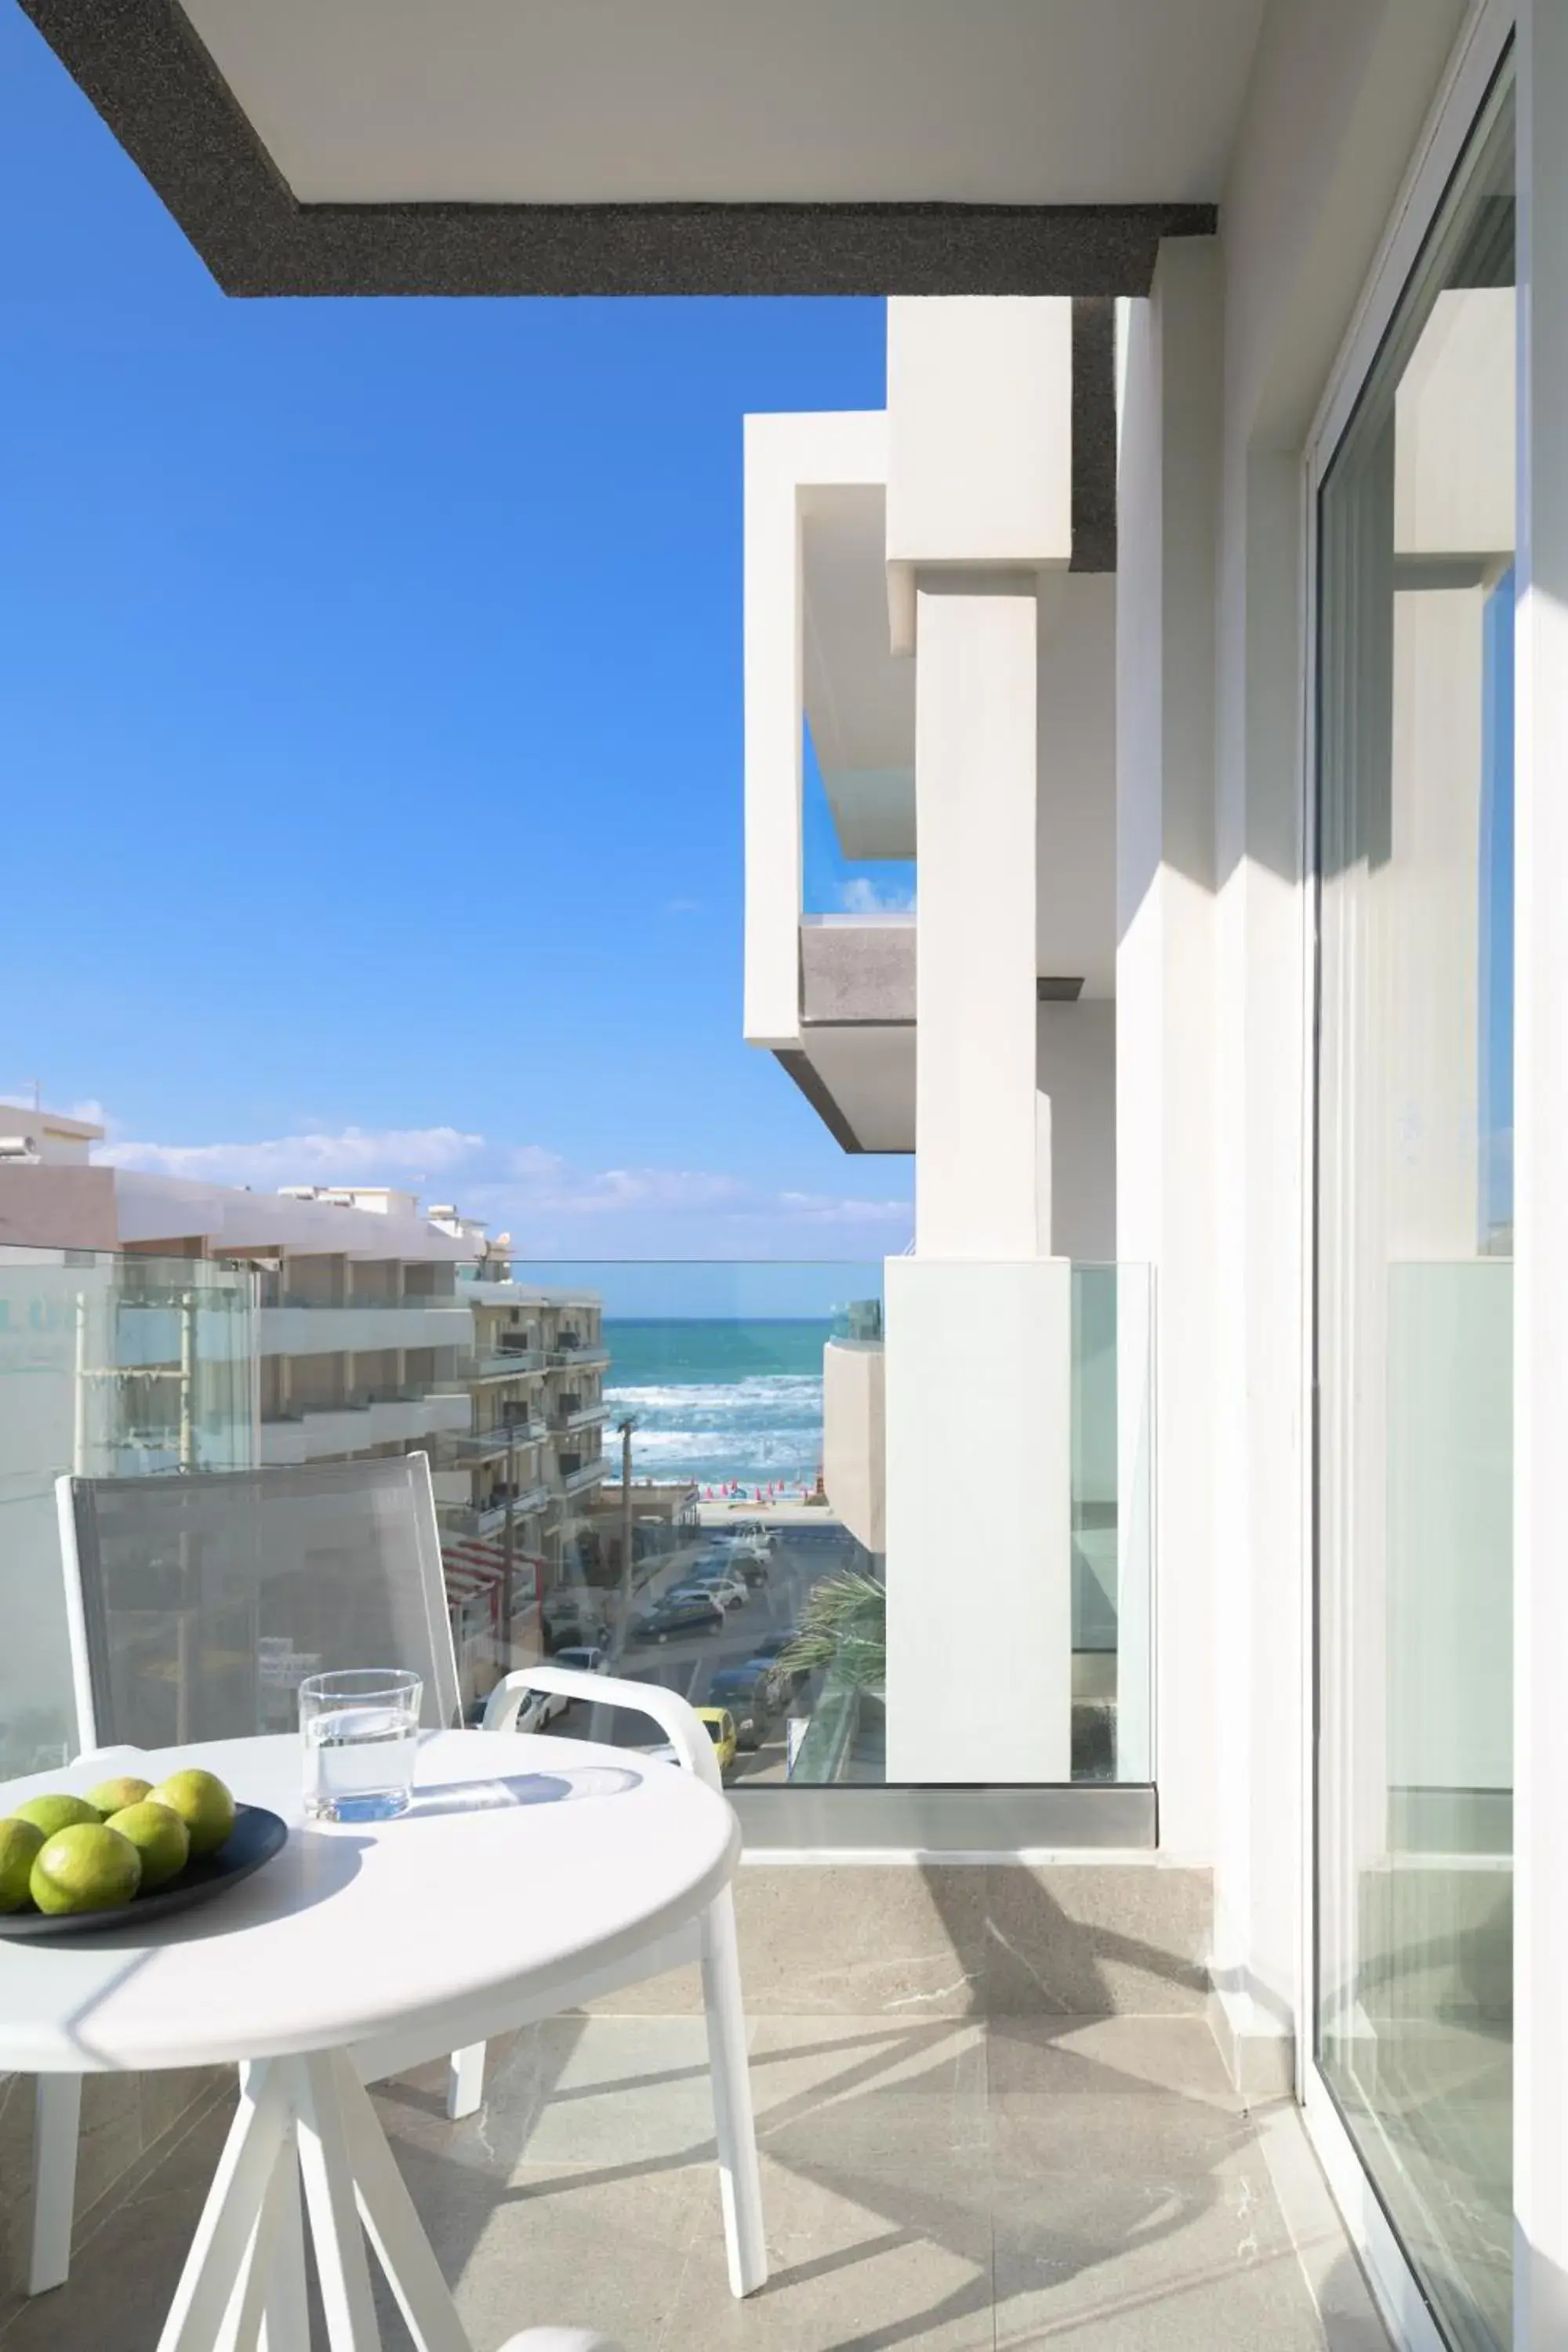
(1413, 1264)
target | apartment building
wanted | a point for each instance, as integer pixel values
(378, 1330)
(363, 1337)
(368, 1339)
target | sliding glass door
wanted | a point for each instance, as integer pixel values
(1414, 1268)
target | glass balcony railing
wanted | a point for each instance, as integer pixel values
(483, 1445)
(961, 1597)
(500, 1363)
(113, 1366)
(754, 1562)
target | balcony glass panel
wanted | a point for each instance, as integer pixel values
(1414, 1271)
(833, 883)
(114, 1366)
(745, 1564)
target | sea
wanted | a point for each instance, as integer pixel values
(722, 1401)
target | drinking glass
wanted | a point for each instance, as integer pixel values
(361, 1732)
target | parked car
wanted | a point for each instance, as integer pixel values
(582, 1658)
(696, 1613)
(741, 1560)
(750, 1692)
(575, 1617)
(727, 1590)
(771, 1648)
(751, 1531)
(720, 1724)
(540, 1709)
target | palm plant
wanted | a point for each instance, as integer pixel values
(844, 1627)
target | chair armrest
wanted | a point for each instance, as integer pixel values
(667, 1707)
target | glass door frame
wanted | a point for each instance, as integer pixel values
(1438, 153)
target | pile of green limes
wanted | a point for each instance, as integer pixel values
(124, 1838)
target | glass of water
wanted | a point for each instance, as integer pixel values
(361, 1730)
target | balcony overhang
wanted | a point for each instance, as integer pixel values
(706, 146)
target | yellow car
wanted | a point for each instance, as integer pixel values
(720, 1726)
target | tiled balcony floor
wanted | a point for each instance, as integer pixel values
(1091, 2186)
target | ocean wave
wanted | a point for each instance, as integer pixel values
(751, 1426)
(797, 1391)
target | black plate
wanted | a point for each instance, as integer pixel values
(256, 1837)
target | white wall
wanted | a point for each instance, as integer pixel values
(1168, 495)
(1076, 1050)
(979, 431)
(1338, 96)
(1076, 849)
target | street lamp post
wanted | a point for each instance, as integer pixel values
(623, 1619)
(508, 1542)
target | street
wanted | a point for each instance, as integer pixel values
(800, 1557)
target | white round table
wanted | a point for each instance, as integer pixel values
(524, 1863)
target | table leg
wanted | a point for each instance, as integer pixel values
(307, 2121)
(268, 2311)
(231, 2216)
(393, 2227)
(285, 2322)
(326, 2168)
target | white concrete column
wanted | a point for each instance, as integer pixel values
(977, 1190)
(1168, 487)
(1260, 1205)
(979, 1323)
(979, 1407)
(1540, 1156)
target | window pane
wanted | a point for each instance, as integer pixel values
(1413, 1264)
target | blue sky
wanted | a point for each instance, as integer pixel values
(371, 724)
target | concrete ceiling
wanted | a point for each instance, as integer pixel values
(861, 1083)
(595, 102)
(499, 147)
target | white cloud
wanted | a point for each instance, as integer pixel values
(551, 1206)
(822, 1209)
(861, 897)
(368, 1155)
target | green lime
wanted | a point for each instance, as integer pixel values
(54, 1812)
(158, 1836)
(19, 1843)
(202, 1803)
(112, 1797)
(88, 1867)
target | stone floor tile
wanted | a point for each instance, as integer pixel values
(933, 2072)
(864, 2253)
(605, 2248)
(1107, 2057)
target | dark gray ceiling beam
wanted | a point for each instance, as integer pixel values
(151, 79)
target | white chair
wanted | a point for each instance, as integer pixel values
(195, 1606)
(710, 1941)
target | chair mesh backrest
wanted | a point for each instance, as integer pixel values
(205, 1600)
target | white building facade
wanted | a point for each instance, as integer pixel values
(1219, 974)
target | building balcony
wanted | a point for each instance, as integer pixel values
(302, 1328)
(490, 1518)
(490, 1444)
(508, 1363)
(323, 1433)
(577, 1480)
(586, 1416)
(988, 2171)
(592, 1356)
